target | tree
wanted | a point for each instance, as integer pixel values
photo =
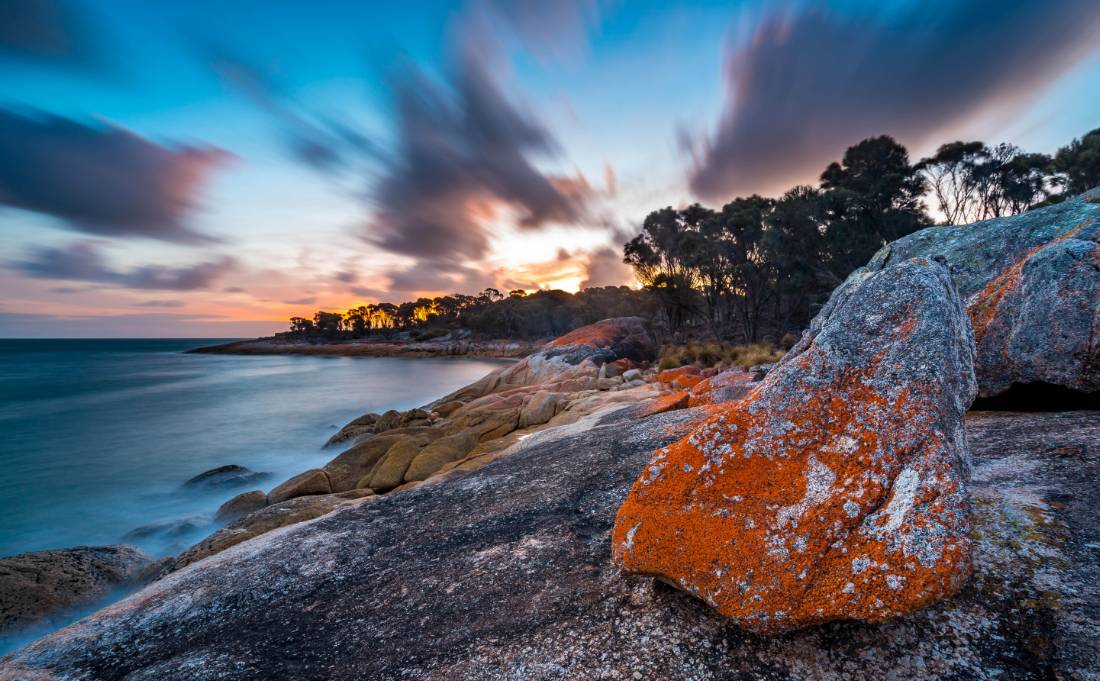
(301, 326)
(659, 261)
(949, 174)
(872, 197)
(328, 324)
(1079, 163)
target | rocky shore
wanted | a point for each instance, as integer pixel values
(578, 514)
(443, 347)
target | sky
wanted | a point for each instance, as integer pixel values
(210, 169)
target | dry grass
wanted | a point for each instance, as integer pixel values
(704, 354)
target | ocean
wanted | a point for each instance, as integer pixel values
(98, 437)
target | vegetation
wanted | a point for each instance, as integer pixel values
(756, 269)
(718, 354)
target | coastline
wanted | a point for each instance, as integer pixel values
(504, 349)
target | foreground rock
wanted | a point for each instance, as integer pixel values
(505, 573)
(837, 489)
(36, 586)
(1031, 285)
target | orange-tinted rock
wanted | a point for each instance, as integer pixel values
(727, 386)
(670, 375)
(669, 402)
(688, 381)
(836, 490)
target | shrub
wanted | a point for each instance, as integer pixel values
(706, 354)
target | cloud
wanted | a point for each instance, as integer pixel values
(605, 267)
(810, 84)
(465, 155)
(101, 179)
(140, 325)
(321, 142)
(308, 300)
(161, 303)
(51, 32)
(82, 261)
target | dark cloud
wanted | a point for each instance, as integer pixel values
(810, 84)
(51, 32)
(464, 153)
(308, 300)
(101, 179)
(82, 261)
(161, 303)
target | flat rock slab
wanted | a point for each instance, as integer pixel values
(506, 574)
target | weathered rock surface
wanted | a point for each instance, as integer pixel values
(504, 574)
(272, 517)
(442, 451)
(240, 506)
(313, 481)
(1031, 285)
(35, 586)
(837, 489)
(347, 469)
(727, 386)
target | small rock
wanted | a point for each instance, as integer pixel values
(226, 476)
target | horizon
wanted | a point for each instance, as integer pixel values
(203, 172)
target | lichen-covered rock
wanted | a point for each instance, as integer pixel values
(668, 402)
(313, 481)
(727, 386)
(1031, 285)
(837, 490)
(687, 372)
(38, 585)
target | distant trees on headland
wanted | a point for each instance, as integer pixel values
(757, 268)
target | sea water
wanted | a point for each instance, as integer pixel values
(98, 437)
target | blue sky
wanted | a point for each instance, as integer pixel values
(210, 169)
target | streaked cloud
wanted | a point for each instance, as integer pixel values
(102, 179)
(83, 261)
(810, 83)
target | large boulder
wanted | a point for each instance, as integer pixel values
(37, 586)
(240, 506)
(837, 490)
(443, 451)
(347, 469)
(504, 574)
(1031, 285)
(390, 471)
(313, 481)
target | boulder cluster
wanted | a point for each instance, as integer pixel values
(569, 378)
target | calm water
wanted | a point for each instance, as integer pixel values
(97, 437)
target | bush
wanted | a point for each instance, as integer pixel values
(705, 354)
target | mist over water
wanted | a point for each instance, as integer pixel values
(98, 436)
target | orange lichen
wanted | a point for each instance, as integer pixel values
(670, 375)
(704, 391)
(769, 515)
(599, 335)
(984, 307)
(669, 402)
